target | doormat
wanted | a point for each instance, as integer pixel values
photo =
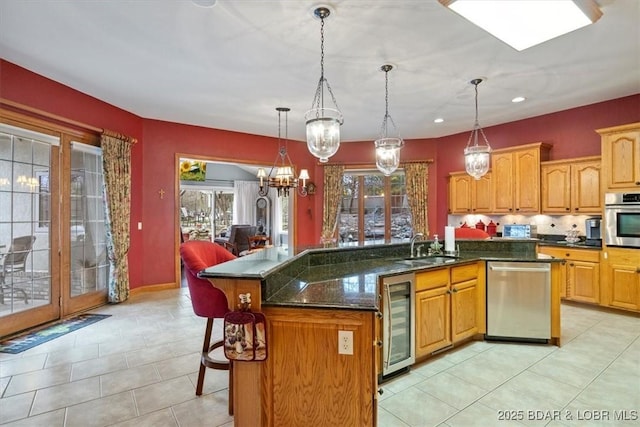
(32, 339)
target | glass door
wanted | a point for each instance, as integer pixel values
(28, 244)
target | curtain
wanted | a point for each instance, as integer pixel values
(332, 199)
(417, 177)
(116, 163)
(244, 211)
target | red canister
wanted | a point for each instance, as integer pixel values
(492, 228)
(480, 225)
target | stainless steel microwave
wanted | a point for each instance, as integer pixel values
(622, 219)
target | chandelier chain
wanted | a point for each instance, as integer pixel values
(318, 99)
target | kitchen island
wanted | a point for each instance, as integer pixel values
(307, 298)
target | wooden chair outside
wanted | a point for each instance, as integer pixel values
(15, 260)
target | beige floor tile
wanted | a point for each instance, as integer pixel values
(99, 366)
(38, 379)
(387, 420)
(128, 379)
(15, 407)
(214, 380)
(149, 355)
(178, 366)
(475, 371)
(452, 390)
(20, 365)
(211, 410)
(164, 394)
(432, 367)
(102, 412)
(417, 408)
(49, 419)
(402, 382)
(60, 396)
(163, 417)
(72, 355)
(479, 415)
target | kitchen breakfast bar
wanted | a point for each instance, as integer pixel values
(324, 310)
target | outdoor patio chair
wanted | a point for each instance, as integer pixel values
(13, 261)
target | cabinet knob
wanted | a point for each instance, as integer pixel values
(380, 391)
(637, 182)
(577, 209)
(638, 270)
(379, 343)
(379, 315)
(567, 209)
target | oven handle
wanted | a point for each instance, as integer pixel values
(387, 292)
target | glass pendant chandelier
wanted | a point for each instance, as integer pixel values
(282, 175)
(323, 124)
(477, 157)
(387, 147)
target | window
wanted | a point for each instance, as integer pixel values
(374, 209)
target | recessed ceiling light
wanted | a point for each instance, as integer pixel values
(204, 3)
(518, 99)
(438, 120)
(525, 23)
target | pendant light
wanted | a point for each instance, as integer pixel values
(323, 124)
(282, 175)
(477, 157)
(387, 147)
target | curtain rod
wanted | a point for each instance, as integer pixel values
(65, 120)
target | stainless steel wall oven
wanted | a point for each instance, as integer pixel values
(398, 323)
(622, 219)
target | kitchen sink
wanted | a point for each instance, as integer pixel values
(429, 260)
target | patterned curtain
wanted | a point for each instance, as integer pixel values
(417, 178)
(116, 155)
(332, 199)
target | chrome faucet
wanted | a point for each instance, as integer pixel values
(413, 241)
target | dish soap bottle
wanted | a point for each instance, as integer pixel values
(436, 246)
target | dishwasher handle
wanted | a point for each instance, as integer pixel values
(524, 269)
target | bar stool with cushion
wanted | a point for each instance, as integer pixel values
(207, 300)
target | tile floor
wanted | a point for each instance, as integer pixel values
(138, 368)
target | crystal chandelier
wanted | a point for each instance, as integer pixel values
(323, 124)
(387, 147)
(282, 175)
(477, 157)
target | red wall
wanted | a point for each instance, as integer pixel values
(152, 254)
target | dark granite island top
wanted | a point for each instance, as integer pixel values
(348, 277)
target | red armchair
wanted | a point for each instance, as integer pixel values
(207, 300)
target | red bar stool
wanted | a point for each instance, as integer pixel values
(208, 301)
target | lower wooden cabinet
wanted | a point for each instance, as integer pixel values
(581, 273)
(621, 278)
(449, 306)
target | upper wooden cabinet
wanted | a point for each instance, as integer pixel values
(621, 157)
(516, 178)
(571, 186)
(468, 195)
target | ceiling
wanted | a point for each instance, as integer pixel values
(229, 66)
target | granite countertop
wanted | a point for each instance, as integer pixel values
(346, 278)
(565, 244)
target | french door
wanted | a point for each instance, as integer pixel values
(52, 238)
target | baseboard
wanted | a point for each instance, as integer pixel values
(153, 288)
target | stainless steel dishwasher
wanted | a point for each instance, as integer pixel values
(519, 301)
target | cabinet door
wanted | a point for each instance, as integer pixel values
(502, 175)
(460, 194)
(433, 327)
(464, 321)
(621, 152)
(527, 181)
(556, 188)
(481, 192)
(623, 279)
(583, 281)
(585, 187)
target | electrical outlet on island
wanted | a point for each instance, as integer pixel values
(345, 342)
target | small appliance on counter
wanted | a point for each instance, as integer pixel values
(520, 231)
(593, 232)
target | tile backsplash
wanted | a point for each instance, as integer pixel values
(546, 224)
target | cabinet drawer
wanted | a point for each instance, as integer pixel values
(587, 255)
(432, 279)
(461, 273)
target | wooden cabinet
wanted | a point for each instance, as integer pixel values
(449, 306)
(306, 380)
(571, 186)
(516, 178)
(621, 157)
(621, 278)
(581, 273)
(468, 195)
